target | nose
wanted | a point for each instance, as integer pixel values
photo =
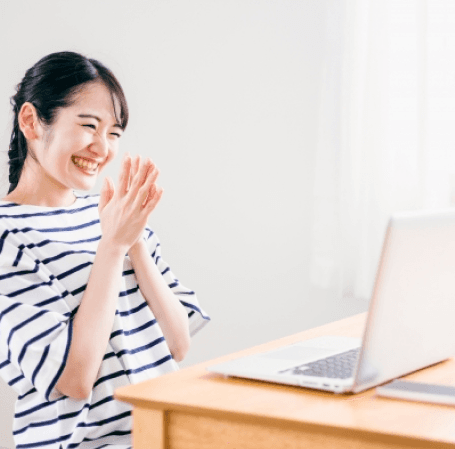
(100, 145)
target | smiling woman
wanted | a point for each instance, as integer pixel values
(87, 304)
(68, 109)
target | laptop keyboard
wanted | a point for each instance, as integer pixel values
(338, 366)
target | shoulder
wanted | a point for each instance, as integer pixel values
(18, 222)
(10, 209)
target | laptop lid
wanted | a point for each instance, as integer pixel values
(412, 310)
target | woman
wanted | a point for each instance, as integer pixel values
(86, 303)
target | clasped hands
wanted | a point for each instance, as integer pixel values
(124, 211)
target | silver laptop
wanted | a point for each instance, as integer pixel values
(410, 322)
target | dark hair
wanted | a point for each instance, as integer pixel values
(51, 84)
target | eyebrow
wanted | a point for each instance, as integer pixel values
(97, 118)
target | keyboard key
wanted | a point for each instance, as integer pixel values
(339, 366)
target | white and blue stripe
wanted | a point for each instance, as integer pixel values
(46, 256)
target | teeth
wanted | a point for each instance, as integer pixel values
(82, 163)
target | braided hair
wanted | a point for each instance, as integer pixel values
(50, 85)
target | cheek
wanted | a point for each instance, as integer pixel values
(113, 151)
(110, 157)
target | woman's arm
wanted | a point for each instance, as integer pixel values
(169, 312)
(93, 323)
(123, 216)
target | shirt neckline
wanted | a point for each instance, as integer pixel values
(50, 208)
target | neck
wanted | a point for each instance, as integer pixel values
(44, 195)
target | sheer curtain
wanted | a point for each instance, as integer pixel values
(387, 131)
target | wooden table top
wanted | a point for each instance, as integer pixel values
(196, 390)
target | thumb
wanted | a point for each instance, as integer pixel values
(107, 192)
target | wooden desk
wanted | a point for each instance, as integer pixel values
(195, 409)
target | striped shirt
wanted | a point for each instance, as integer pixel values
(46, 254)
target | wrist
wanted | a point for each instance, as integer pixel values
(111, 250)
(140, 245)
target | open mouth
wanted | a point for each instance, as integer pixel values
(84, 164)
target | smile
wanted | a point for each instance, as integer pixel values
(83, 163)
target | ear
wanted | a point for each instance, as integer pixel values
(29, 123)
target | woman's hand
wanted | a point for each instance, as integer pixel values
(124, 211)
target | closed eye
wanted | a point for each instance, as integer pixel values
(90, 125)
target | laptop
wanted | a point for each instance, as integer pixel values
(409, 323)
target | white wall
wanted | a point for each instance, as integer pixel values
(224, 97)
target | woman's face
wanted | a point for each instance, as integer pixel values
(82, 140)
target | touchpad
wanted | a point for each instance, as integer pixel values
(298, 353)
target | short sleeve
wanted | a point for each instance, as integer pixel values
(196, 315)
(35, 323)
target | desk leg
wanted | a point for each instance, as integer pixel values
(149, 428)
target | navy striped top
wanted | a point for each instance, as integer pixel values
(46, 254)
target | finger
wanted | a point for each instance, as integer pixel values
(145, 189)
(110, 188)
(151, 192)
(153, 173)
(135, 166)
(140, 177)
(146, 172)
(151, 168)
(152, 203)
(124, 178)
(152, 176)
(103, 195)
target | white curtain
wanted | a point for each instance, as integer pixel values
(387, 131)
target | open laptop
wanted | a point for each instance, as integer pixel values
(410, 322)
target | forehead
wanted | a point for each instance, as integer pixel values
(95, 99)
